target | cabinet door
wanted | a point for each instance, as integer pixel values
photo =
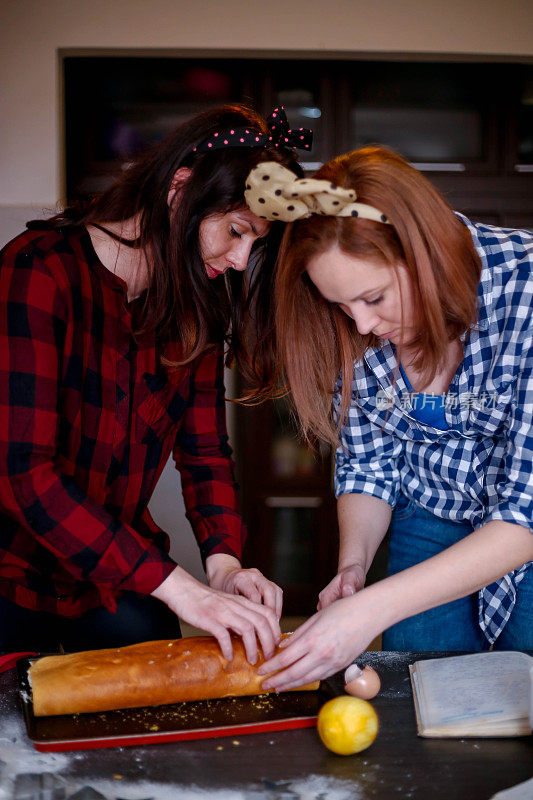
(118, 106)
(520, 128)
(438, 116)
(297, 530)
(288, 504)
(303, 90)
(519, 220)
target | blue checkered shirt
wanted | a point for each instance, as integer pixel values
(481, 468)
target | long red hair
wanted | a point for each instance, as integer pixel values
(316, 341)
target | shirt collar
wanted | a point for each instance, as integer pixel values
(383, 362)
(485, 296)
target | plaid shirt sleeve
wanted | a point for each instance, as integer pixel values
(366, 459)
(203, 456)
(36, 490)
(516, 492)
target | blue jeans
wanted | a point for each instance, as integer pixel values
(416, 535)
(138, 618)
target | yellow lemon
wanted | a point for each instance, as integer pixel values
(347, 725)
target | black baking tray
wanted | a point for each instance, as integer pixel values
(230, 716)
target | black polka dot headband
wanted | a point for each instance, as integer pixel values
(279, 135)
(276, 193)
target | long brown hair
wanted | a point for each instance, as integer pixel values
(182, 303)
(317, 341)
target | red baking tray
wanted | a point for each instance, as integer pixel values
(204, 719)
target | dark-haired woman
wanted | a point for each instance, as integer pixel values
(428, 319)
(114, 319)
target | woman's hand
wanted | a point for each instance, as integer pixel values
(324, 644)
(226, 574)
(336, 635)
(219, 613)
(347, 582)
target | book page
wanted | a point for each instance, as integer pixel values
(484, 687)
(522, 791)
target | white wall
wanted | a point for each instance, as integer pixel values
(168, 510)
(33, 31)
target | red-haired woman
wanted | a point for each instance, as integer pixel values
(113, 319)
(427, 319)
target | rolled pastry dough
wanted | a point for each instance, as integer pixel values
(146, 674)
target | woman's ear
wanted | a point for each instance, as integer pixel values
(181, 176)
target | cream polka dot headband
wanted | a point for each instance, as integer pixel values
(276, 193)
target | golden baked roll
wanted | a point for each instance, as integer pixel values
(146, 674)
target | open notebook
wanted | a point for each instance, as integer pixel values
(484, 694)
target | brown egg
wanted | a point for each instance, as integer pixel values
(363, 683)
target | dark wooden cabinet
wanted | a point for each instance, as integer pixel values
(288, 504)
(467, 125)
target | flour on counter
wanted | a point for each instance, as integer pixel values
(522, 791)
(314, 787)
(18, 756)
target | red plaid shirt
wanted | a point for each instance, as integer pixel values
(88, 419)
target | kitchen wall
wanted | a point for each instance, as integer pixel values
(33, 33)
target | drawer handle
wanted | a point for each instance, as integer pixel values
(293, 502)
